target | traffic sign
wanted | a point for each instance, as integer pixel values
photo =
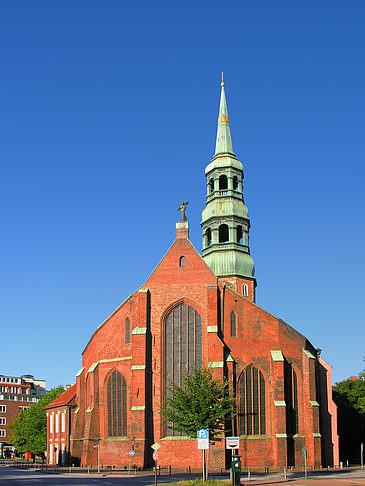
(155, 456)
(203, 439)
(203, 434)
(156, 446)
(203, 443)
(232, 442)
(131, 453)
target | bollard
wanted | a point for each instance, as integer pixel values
(88, 470)
(284, 472)
(248, 474)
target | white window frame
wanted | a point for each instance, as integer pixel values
(2, 433)
(2, 408)
(51, 423)
(2, 420)
(63, 421)
(57, 424)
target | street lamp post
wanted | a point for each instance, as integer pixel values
(98, 447)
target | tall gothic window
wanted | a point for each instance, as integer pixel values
(252, 410)
(127, 331)
(291, 399)
(117, 405)
(233, 324)
(183, 337)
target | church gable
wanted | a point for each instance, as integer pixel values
(182, 264)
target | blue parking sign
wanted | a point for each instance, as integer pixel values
(203, 434)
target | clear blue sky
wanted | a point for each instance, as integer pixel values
(107, 120)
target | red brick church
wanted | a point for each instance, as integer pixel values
(200, 309)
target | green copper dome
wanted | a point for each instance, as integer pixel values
(231, 262)
(225, 207)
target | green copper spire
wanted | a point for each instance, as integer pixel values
(225, 222)
(223, 143)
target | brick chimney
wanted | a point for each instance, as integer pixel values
(182, 230)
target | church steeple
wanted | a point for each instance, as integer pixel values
(223, 143)
(225, 221)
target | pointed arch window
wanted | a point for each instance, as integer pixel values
(245, 290)
(209, 236)
(233, 324)
(235, 183)
(239, 234)
(127, 333)
(223, 182)
(182, 261)
(291, 399)
(117, 405)
(223, 233)
(211, 186)
(183, 347)
(252, 407)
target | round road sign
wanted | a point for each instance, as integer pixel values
(131, 453)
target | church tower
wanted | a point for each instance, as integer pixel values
(225, 221)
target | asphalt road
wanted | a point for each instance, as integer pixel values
(13, 477)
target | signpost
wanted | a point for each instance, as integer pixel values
(232, 443)
(203, 443)
(156, 446)
(131, 454)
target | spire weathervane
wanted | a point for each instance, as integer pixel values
(222, 83)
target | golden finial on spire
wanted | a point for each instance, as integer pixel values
(222, 83)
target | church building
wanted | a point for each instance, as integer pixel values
(200, 309)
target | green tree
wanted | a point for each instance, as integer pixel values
(349, 397)
(29, 428)
(202, 402)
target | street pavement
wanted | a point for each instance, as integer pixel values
(10, 476)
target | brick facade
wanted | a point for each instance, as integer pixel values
(202, 309)
(260, 341)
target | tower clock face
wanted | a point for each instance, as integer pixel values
(230, 285)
